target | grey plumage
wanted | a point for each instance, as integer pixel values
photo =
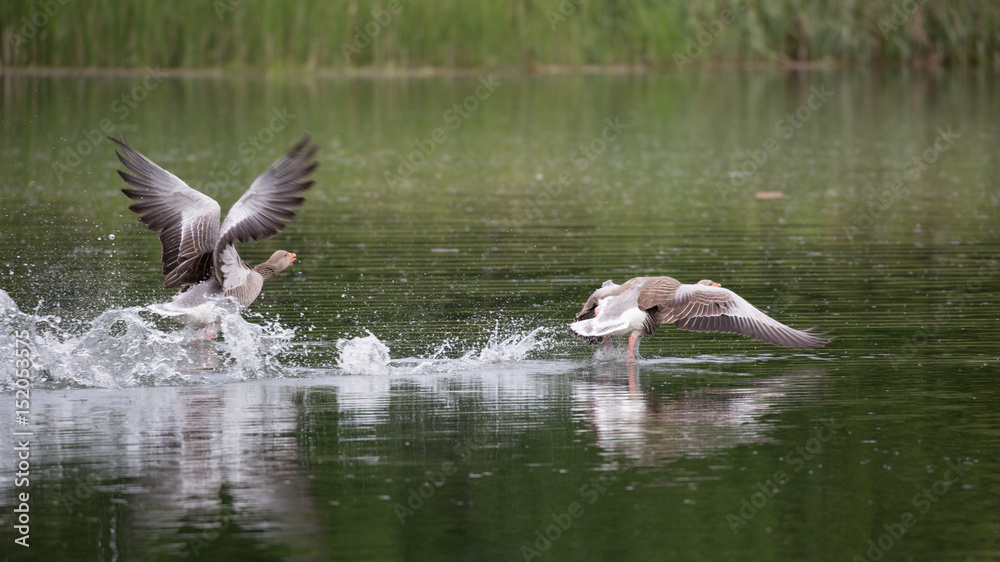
(641, 305)
(196, 249)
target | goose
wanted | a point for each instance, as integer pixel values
(199, 255)
(639, 306)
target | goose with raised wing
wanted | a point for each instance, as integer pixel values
(199, 255)
(639, 306)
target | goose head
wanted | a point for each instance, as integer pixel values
(278, 262)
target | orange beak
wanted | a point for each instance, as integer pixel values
(292, 256)
(713, 284)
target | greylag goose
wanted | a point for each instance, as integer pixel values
(200, 256)
(639, 306)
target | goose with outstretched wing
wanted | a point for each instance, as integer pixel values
(199, 255)
(639, 306)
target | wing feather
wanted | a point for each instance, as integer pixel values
(239, 279)
(655, 291)
(269, 204)
(187, 220)
(702, 308)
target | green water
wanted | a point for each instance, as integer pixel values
(451, 233)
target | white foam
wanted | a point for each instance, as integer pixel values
(503, 348)
(364, 356)
(369, 356)
(133, 347)
(126, 347)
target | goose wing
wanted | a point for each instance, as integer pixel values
(588, 310)
(703, 308)
(239, 280)
(656, 291)
(262, 212)
(268, 205)
(187, 220)
(611, 289)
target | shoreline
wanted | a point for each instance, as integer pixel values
(426, 72)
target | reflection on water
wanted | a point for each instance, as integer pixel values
(184, 467)
(178, 465)
(651, 430)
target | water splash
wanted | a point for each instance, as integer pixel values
(502, 348)
(364, 356)
(254, 349)
(126, 347)
(611, 353)
(370, 356)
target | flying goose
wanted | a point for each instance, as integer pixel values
(639, 306)
(200, 256)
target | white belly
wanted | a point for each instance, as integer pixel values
(611, 322)
(635, 318)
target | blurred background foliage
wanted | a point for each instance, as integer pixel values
(531, 34)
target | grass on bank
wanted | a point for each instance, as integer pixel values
(314, 34)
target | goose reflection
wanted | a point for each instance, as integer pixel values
(200, 461)
(269, 462)
(648, 426)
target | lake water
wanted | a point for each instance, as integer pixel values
(407, 389)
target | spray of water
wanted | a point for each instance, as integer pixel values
(364, 356)
(125, 347)
(370, 356)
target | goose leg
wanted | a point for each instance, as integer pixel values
(631, 347)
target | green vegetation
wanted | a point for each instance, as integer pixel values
(389, 34)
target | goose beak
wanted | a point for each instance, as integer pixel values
(713, 284)
(291, 257)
